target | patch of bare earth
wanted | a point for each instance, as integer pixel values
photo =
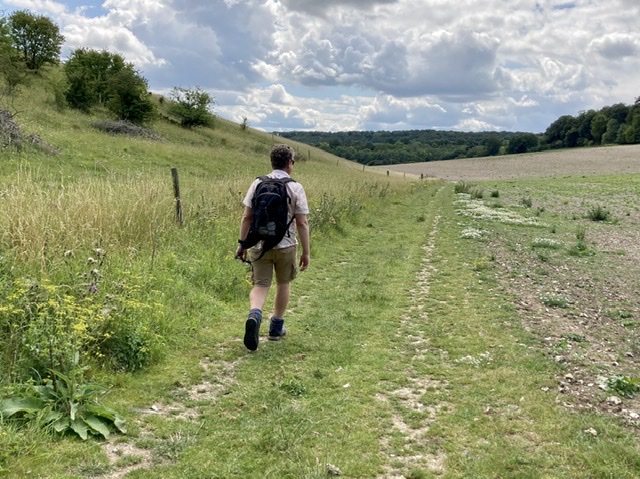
(411, 455)
(593, 337)
(588, 161)
(125, 457)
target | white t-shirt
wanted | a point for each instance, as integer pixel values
(298, 205)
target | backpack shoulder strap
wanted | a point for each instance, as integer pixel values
(268, 178)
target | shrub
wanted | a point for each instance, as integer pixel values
(477, 193)
(128, 97)
(191, 106)
(466, 188)
(102, 78)
(526, 202)
(599, 213)
(462, 187)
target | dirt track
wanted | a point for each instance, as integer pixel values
(578, 161)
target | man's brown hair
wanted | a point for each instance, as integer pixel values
(281, 155)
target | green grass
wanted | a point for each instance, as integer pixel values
(405, 354)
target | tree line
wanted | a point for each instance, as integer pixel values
(90, 79)
(616, 124)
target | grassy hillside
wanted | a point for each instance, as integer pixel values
(454, 331)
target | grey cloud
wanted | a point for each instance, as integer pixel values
(320, 8)
(214, 44)
(389, 68)
(616, 46)
(462, 63)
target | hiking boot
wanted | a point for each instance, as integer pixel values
(252, 332)
(276, 329)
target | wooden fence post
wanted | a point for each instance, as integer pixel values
(176, 192)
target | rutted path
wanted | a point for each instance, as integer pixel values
(127, 456)
(408, 401)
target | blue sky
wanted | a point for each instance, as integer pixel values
(336, 65)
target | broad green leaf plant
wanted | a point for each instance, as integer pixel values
(64, 404)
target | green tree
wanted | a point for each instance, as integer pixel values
(522, 143)
(631, 133)
(191, 106)
(128, 96)
(88, 72)
(102, 78)
(557, 133)
(5, 35)
(13, 72)
(618, 112)
(598, 127)
(493, 146)
(36, 38)
(583, 126)
(611, 135)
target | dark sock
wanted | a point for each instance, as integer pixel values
(256, 313)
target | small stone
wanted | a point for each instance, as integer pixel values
(560, 359)
(615, 400)
(591, 431)
(333, 470)
(569, 377)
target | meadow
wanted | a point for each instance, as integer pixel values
(446, 329)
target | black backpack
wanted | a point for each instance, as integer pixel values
(270, 220)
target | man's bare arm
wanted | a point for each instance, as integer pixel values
(302, 226)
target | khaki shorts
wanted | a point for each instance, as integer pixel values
(282, 260)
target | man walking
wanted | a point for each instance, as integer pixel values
(282, 257)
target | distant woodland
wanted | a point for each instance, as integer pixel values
(615, 124)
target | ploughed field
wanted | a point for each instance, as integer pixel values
(577, 161)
